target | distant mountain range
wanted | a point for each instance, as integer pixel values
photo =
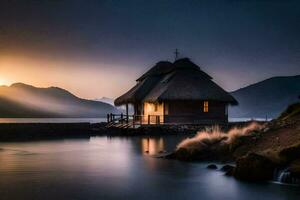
(21, 100)
(266, 98)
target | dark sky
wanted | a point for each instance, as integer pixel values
(237, 42)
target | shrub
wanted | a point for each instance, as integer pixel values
(215, 141)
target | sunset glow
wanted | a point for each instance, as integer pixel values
(96, 80)
(4, 82)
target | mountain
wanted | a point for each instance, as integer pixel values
(21, 100)
(266, 98)
(106, 100)
(121, 109)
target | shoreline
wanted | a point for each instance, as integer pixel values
(262, 154)
(37, 131)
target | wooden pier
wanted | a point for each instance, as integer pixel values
(132, 121)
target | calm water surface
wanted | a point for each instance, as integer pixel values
(117, 168)
(90, 120)
(52, 120)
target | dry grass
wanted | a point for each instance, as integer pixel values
(214, 136)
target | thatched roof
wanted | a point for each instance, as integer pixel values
(185, 63)
(145, 83)
(138, 92)
(161, 68)
(182, 80)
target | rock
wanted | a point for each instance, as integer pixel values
(254, 167)
(295, 169)
(290, 153)
(230, 172)
(212, 166)
(204, 150)
(170, 156)
(187, 155)
(226, 168)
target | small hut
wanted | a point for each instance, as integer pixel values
(178, 92)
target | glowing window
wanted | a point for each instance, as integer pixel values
(205, 106)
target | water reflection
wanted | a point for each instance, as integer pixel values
(152, 146)
(116, 168)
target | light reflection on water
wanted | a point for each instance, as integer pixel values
(153, 146)
(117, 168)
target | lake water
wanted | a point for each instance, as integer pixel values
(52, 120)
(90, 120)
(118, 168)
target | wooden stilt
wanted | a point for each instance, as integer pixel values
(133, 124)
(127, 117)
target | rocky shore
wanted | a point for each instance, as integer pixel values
(270, 152)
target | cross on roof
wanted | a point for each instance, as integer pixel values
(176, 54)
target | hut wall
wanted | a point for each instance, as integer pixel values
(193, 112)
(153, 109)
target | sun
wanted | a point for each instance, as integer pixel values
(3, 81)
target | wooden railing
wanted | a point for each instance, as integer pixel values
(134, 121)
(126, 121)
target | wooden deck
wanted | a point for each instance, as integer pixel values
(136, 121)
(132, 121)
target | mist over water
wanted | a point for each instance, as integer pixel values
(29, 99)
(21, 100)
(117, 168)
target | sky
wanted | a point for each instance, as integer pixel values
(99, 48)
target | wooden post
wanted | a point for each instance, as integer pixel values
(148, 119)
(121, 118)
(111, 117)
(158, 119)
(141, 120)
(107, 116)
(133, 124)
(127, 117)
